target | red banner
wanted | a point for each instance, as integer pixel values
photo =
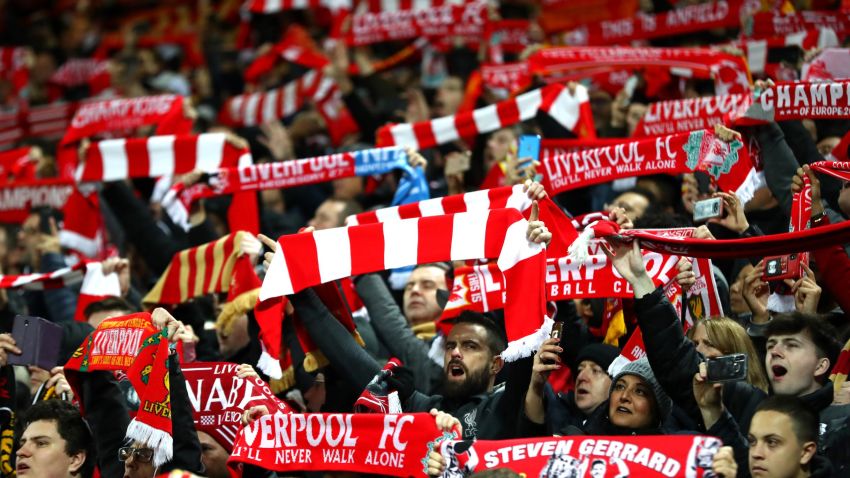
(688, 19)
(597, 457)
(680, 116)
(467, 20)
(510, 76)
(393, 445)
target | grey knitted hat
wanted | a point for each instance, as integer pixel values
(640, 368)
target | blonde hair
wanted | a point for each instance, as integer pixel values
(730, 337)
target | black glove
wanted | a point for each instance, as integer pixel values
(402, 382)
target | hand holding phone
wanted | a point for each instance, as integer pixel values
(39, 341)
(528, 150)
(779, 268)
(707, 209)
(727, 368)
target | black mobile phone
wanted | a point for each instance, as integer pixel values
(727, 368)
(39, 340)
(44, 216)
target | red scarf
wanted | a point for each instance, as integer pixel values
(729, 164)
(219, 397)
(109, 115)
(149, 376)
(728, 71)
(620, 456)
(570, 110)
(113, 346)
(757, 50)
(800, 100)
(685, 115)
(394, 445)
(18, 198)
(841, 368)
(307, 259)
(13, 66)
(770, 24)
(682, 20)
(512, 77)
(467, 20)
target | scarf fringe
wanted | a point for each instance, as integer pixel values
(161, 442)
(269, 365)
(577, 252)
(528, 345)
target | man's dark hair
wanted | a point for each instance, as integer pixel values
(109, 303)
(822, 333)
(496, 340)
(446, 267)
(645, 192)
(803, 419)
(70, 426)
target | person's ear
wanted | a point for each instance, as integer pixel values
(822, 367)
(496, 365)
(809, 450)
(77, 461)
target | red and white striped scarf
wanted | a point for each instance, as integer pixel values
(570, 110)
(479, 201)
(251, 109)
(117, 159)
(274, 6)
(64, 277)
(307, 259)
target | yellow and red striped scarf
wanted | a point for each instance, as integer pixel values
(197, 271)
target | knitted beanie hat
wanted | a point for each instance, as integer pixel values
(598, 353)
(640, 368)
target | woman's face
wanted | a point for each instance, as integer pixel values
(632, 403)
(498, 146)
(704, 344)
(736, 295)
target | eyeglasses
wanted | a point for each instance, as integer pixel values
(141, 455)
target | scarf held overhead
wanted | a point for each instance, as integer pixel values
(729, 164)
(197, 271)
(644, 456)
(155, 156)
(308, 259)
(449, 20)
(218, 397)
(570, 109)
(389, 445)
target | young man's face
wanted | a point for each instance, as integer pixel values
(42, 453)
(213, 456)
(792, 364)
(469, 362)
(775, 451)
(592, 385)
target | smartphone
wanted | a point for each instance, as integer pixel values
(778, 268)
(528, 150)
(556, 333)
(39, 340)
(707, 209)
(727, 368)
